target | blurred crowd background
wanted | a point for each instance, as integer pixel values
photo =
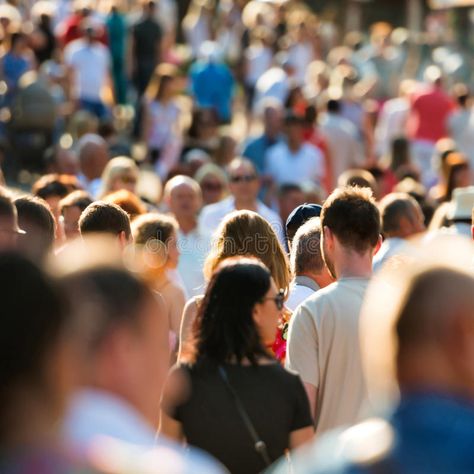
(248, 166)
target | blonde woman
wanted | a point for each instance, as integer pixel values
(240, 233)
(120, 173)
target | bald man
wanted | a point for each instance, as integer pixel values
(93, 155)
(182, 196)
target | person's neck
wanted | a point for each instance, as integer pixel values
(351, 264)
(245, 204)
(294, 146)
(186, 223)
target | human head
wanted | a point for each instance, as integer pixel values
(306, 257)
(358, 177)
(182, 195)
(298, 217)
(102, 217)
(93, 155)
(37, 370)
(9, 229)
(244, 183)
(461, 94)
(294, 129)
(401, 216)
(36, 218)
(52, 188)
(61, 160)
(290, 196)
(333, 106)
(247, 233)
(351, 226)
(161, 82)
(238, 315)
(156, 234)
(271, 111)
(119, 173)
(128, 201)
(417, 319)
(121, 335)
(213, 182)
(71, 208)
(458, 173)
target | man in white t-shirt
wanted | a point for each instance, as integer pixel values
(294, 160)
(183, 197)
(323, 337)
(244, 185)
(90, 63)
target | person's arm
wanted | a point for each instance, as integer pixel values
(302, 352)
(312, 395)
(189, 315)
(301, 436)
(176, 391)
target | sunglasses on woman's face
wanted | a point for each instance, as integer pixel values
(279, 299)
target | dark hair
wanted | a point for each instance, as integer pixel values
(33, 318)
(115, 297)
(35, 217)
(394, 207)
(351, 214)
(7, 208)
(333, 106)
(80, 199)
(224, 328)
(104, 217)
(52, 185)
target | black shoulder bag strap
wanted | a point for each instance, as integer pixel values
(259, 445)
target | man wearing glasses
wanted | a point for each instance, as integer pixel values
(244, 185)
(9, 230)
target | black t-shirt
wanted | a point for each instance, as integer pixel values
(274, 399)
(147, 36)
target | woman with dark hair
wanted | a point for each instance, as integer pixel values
(230, 397)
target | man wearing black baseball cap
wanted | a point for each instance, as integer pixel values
(298, 217)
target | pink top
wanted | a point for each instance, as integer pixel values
(430, 109)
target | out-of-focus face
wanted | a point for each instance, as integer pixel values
(273, 121)
(8, 233)
(463, 177)
(294, 133)
(127, 181)
(184, 201)
(66, 162)
(70, 221)
(243, 182)
(212, 190)
(327, 251)
(148, 360)
(172, 252)
(267, 314)
(290, 201)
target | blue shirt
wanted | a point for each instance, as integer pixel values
(432, 434)
(255, 150)
(212, 84)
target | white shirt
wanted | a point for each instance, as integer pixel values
(341, 136)
(389, 248)
(301, 287)
(93, 187)
(286, 166)
(163, 120)
(95, 414)
(460, 125)
(212, 215)
(259, 60)
(91, 63)
(391, 123)
(273, 83)
(193, 247)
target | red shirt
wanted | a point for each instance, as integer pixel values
(427, 118)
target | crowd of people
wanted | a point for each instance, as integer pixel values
(232, 239)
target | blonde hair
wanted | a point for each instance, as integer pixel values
(245, 233)
(162, 73)
(119, 166)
